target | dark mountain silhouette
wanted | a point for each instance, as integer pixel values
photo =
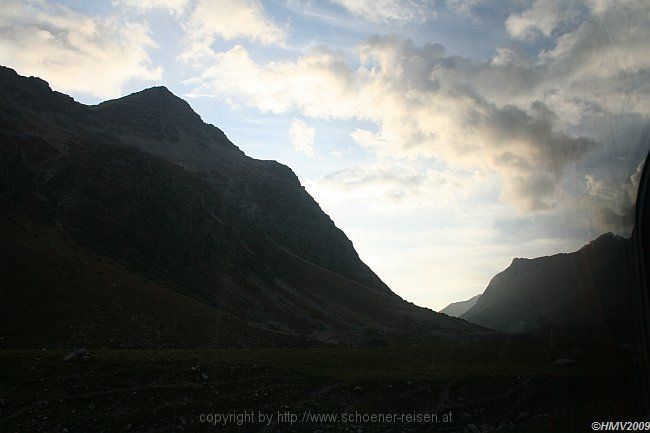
(134, 223)
(589, 287)
(595, 291)
(457, 309)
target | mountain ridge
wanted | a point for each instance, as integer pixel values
(591, 290)
(457, 309)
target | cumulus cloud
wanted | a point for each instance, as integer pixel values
(599, 63)
(421, 108)
(229, 20)
(543, 17)
(615, 42)
(302, 137)
(595, 60)
(395, 11)
(516, 115)
(315, 83)
(75, 52)
(204, 21)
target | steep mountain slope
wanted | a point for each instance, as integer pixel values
(592, 290)
(137, 199)
(457, 309)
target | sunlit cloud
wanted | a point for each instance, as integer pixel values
(542, 18)
(228, 20)
(422, 111)
(75, 52)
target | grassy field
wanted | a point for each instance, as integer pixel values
(505, 385)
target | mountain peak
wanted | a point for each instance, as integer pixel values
(159, 99)
(159, 89)
(607, 237)
(154, 92)
(157, 121)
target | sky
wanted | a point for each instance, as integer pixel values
(444, 137)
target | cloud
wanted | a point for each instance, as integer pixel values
(543, 17)
(229, 20)
(315, 83)
(386, 175)
(73, 51)
(595, 60)
(175, 7)
(423, 111)
(530, 153)
(517, 115)
(597, 57)
(613, 42)
(609, 205)
(203, 21)
(463, 7)
(302, 137)
(393, 11)
(401, 183)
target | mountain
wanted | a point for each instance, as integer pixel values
(563, 290)
(133, 223)
(457, 309)
(593, 291)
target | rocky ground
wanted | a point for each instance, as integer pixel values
(470, 386)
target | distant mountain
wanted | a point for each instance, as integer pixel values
(457, 309)
(134, 223)
(592, 291)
